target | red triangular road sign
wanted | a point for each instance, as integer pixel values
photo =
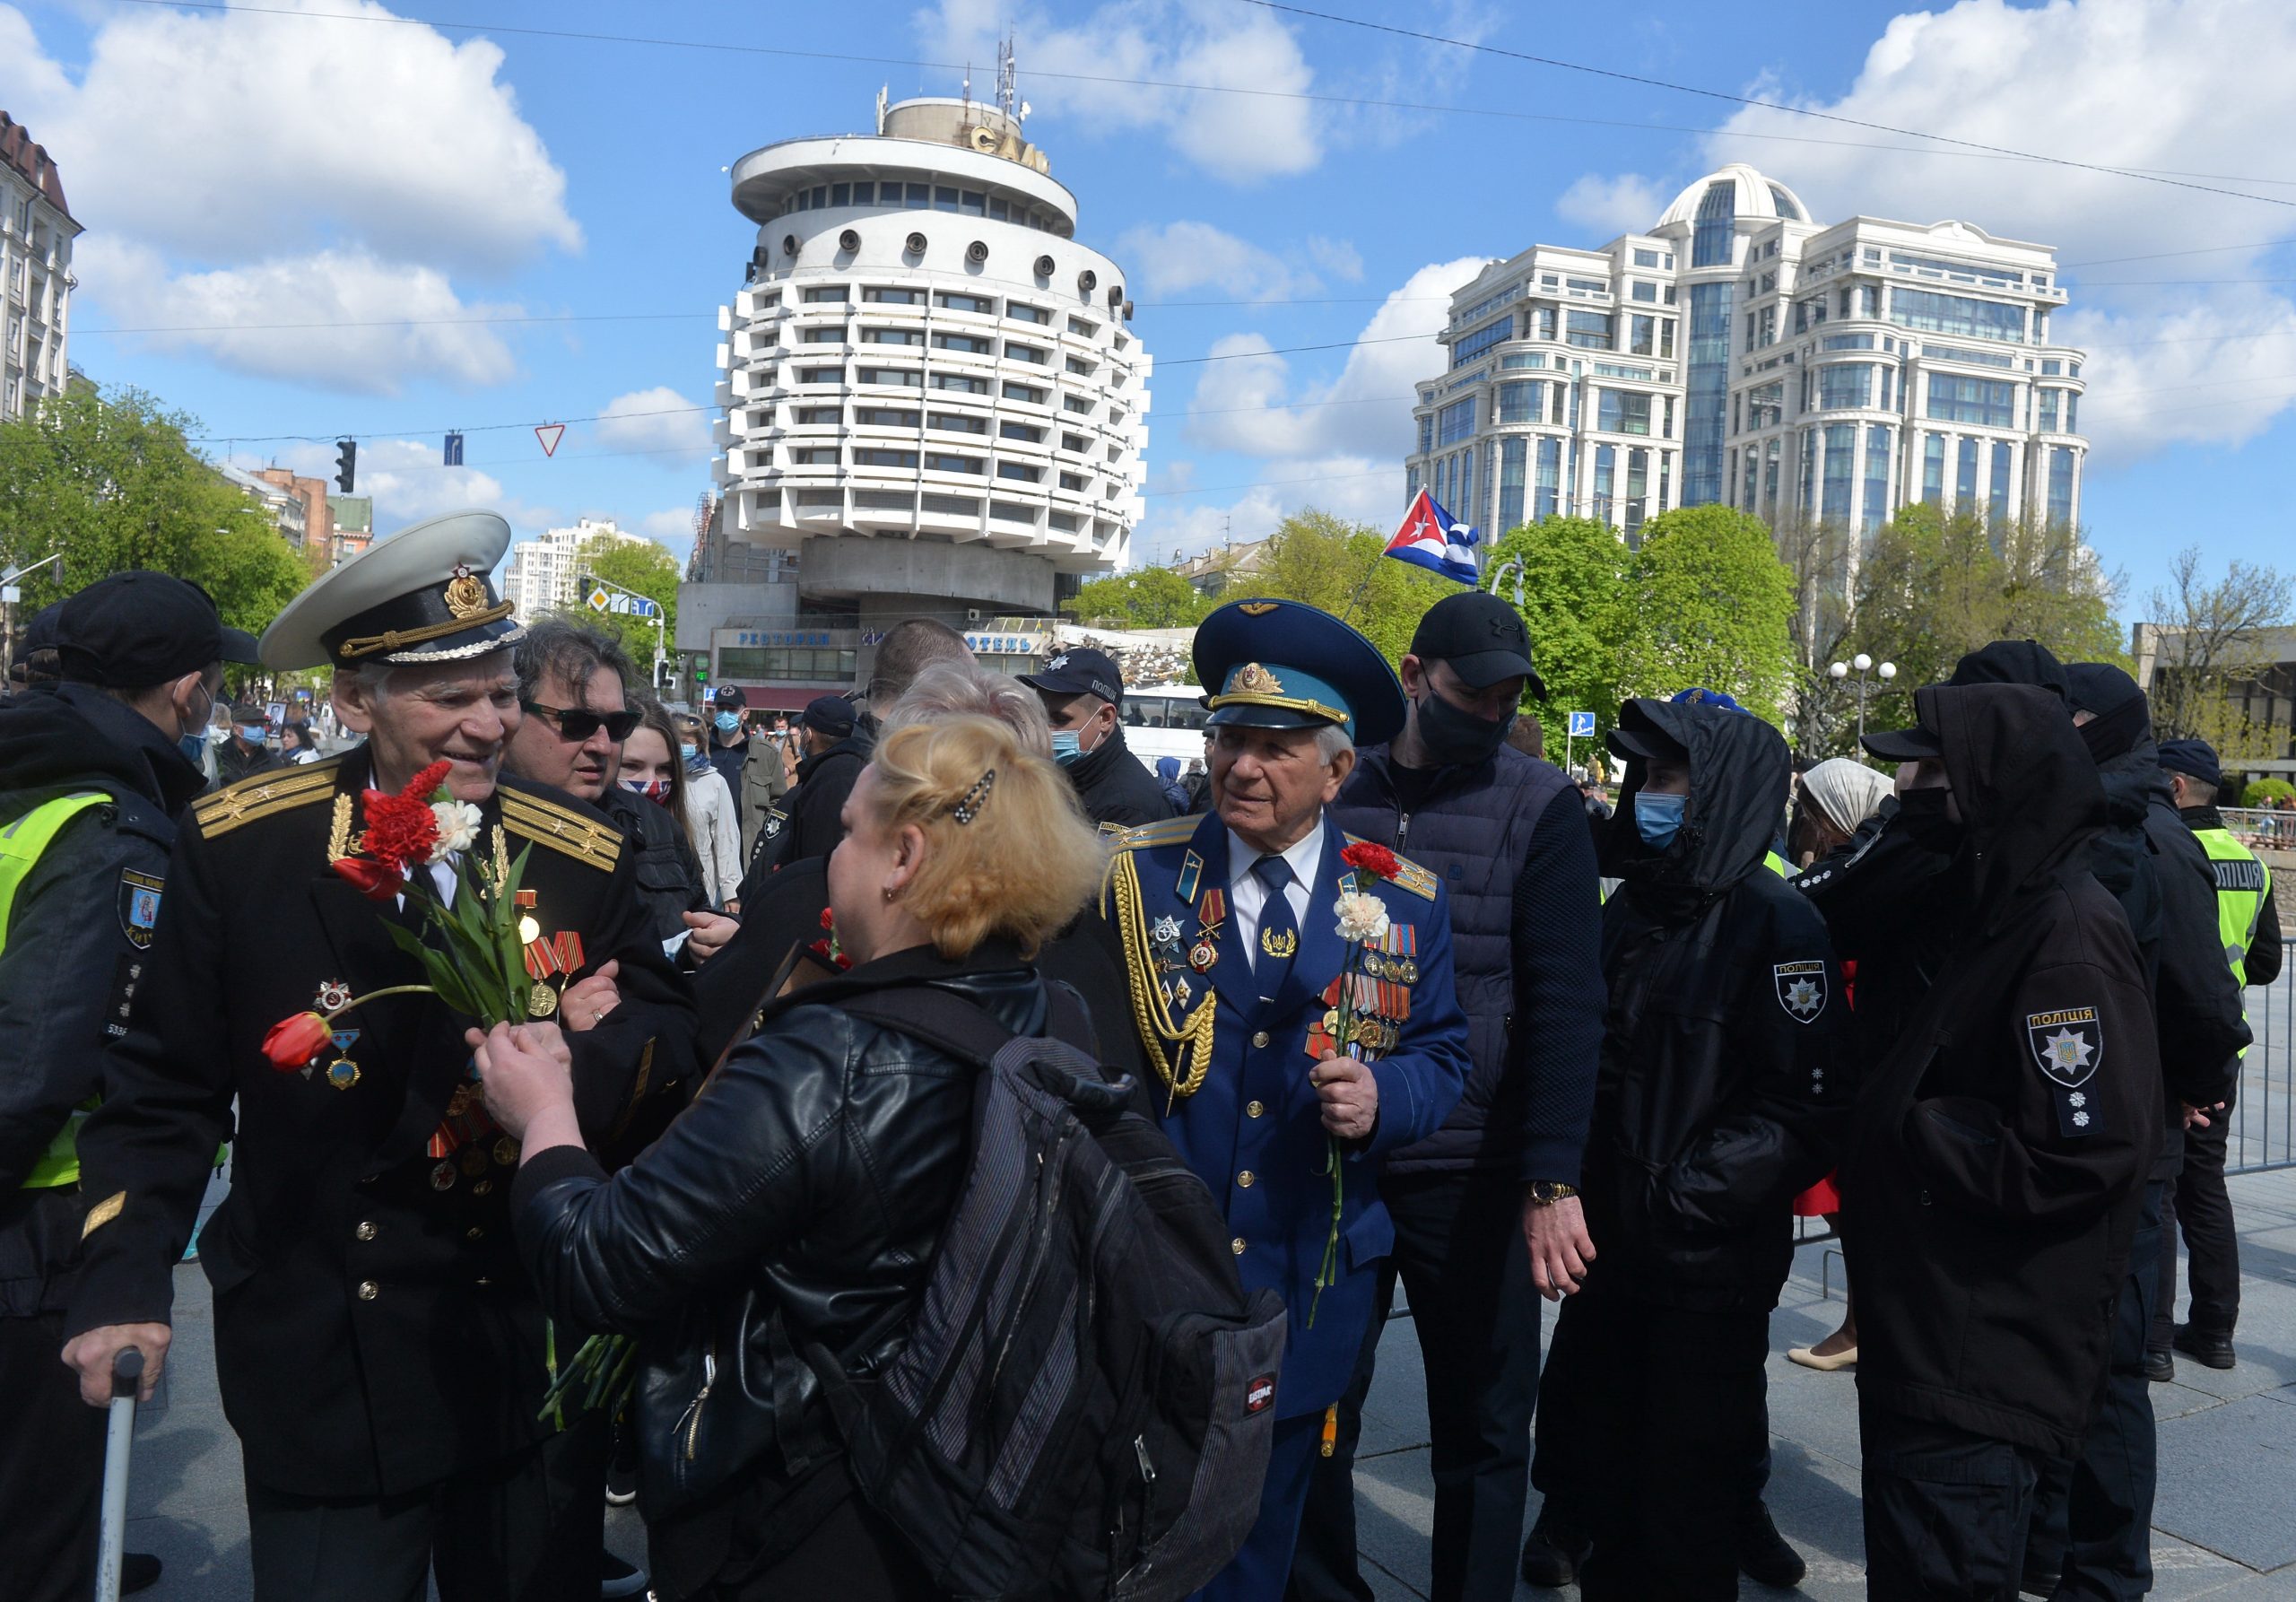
(549, 433)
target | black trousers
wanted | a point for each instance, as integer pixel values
(51, 1467)
(854, 1554)
(1947, 1512)
(2197, 1203)
(2092, 1527)
(1460, 1253)
(527, 1527)
(1658, 1411)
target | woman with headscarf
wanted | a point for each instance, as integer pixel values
(1836, 797)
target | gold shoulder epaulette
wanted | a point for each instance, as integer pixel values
(561, 828)
(1420, 881)
(1164, 832)
(1409, 875)
(260, 795)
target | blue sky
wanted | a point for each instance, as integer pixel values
(243, 169)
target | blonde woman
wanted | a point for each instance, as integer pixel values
(810, 1177)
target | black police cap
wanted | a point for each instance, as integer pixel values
(1082, 672)
(135, 630)
(1480, 636)
(2194, 759)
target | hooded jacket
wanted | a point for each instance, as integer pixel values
(1999, 1149)
(809, 820)
(72, 945)
(1724, 1088)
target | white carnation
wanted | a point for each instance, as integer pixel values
(458, 826)
(1362, 917)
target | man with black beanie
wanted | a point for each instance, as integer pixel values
(95, 778)
(1486, 1210)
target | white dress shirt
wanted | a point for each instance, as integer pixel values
(1247, 897)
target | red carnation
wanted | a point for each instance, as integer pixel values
(1365, 857)
(378, 882)
(829, 918)
(293, 1042)
(401, 831)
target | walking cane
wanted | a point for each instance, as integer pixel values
(126, 1378)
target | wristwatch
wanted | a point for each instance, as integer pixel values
(1545, 1193)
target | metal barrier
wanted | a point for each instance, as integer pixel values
(2261, 829)
(2264, 1116)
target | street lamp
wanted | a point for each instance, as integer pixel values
(1864, 664)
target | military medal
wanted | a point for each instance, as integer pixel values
(442, 1175)
(343, 1073)
(506, 1152)
(540, 1001)
(1210, 916)
(547, 955)
(472, 1160)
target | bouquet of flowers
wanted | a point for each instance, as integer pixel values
(481, 967)
(1363, 925)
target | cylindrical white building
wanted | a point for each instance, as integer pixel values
(931, 398)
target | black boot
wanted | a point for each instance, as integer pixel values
(1554, 1551)
(2160, 1367)
(1763, 1556)
(2209, 1351)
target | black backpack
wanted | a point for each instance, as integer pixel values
(1086, 1398)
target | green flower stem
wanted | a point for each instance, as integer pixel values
(377, 995)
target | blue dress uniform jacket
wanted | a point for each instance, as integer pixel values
(1252, 1130)
(374, 1329)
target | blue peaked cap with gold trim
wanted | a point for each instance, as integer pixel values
(1286, 665)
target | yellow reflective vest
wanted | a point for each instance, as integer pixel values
(21, 844)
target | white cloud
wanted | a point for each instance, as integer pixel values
(659, 420)
(2141, 84)
(1247, 404)
(351, 322)
(199, 132)
(672, 526)
(1361, 489)
(1180, 256)
(1243, 138)
(1608, 207)
(246, 167)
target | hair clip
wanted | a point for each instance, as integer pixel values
(969, 808)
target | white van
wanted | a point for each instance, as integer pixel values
(1165, 720)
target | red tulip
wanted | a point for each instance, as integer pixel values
(293, 1042)
(374, 880)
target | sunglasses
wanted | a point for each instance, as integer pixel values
(576, 723)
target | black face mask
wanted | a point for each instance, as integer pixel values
(1921, 816)
(1455, 738)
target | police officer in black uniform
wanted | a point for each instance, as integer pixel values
(95, 779)
(1081, 690)
(379, 1350)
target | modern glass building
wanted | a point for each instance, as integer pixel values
(932, 402)
(1741, 353)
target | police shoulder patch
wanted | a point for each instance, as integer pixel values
(139, 906)
(2067, 1044)
(1801, 989)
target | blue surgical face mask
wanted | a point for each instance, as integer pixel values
(194, 750)
(252, 733)
(1067, 746)
(727, 722)
(689, 751)
(1657, 818)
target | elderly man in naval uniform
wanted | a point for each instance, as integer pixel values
(1288, 1056)
(378, 1348)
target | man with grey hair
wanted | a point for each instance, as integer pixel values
(379, 1348)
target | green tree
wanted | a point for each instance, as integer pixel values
(1707, 601)
(1574, 573)
(1144, 599)
(111, 482)
(642, 569)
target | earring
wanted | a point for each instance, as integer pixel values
(889, 893)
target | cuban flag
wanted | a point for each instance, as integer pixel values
(1431, 538)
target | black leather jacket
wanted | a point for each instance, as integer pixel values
(796, 1203)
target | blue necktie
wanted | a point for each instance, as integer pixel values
(1279, 931)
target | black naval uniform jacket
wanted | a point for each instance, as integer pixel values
(374, 1330)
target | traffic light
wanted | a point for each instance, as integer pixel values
(346, 464)
(701, 673)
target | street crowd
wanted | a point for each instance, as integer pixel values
(918, 1152)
